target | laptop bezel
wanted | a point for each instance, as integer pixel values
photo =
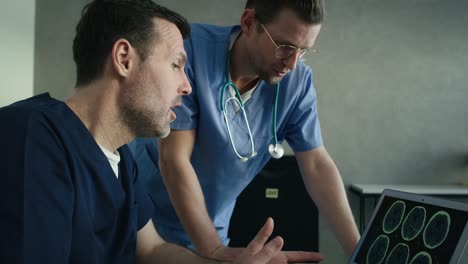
(425, 199)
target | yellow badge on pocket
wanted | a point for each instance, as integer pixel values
(272, 193)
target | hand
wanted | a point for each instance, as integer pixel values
(224, 253)
(259, 253)
(296, 256)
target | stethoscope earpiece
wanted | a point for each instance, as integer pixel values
(276, 151)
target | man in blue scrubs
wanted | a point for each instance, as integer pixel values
(70, 190)
(251, 71)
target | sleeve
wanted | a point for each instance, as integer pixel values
(188, 112)
(303, 130)
(40, 203)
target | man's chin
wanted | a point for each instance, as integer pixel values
(164, 134)
(274, 80)
(155, 133)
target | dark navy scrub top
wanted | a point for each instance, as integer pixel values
(60, 201)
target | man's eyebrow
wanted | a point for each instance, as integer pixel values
(183, 56)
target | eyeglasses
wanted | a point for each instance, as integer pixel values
(285, 51)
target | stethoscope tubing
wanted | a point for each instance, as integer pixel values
(241, 106)
(276, 150)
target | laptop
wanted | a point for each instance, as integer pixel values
(408, 228)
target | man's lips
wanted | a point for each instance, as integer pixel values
(173, 107)
(176, 105)
(280, 73)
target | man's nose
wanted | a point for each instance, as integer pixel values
(291, 61)
(185, 88)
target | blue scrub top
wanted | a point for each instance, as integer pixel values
(60, 201)
(221, 174)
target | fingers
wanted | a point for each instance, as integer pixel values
(303, 256)
(262, 236)
(271, 249)
(258, 251)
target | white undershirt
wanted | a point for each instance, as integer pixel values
(245, 96)
(113, 158)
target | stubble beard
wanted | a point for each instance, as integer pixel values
(263, 74)
(147, 124)
(142, 120)
(268, 78)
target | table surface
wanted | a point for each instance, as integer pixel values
(377, 189)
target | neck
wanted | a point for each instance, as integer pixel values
(96, 106)
(242, 74)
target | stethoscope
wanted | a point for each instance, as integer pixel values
(275, 149)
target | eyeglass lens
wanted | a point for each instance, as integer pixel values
(286, 51)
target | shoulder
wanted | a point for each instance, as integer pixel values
(26, 110)
(37, 114)
(208, 37)
(210, 32)
(207, 49)
(33, 132)
(36, 104)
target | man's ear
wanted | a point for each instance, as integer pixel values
(248, 21)
(123, 56)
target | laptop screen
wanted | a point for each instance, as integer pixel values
(413, 229)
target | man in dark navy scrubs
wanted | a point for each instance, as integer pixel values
(70, 191)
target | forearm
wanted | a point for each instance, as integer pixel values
(187, 198)
(151, 248)
(324, 184)
(330, 196)
(170, 253)
(185, 191)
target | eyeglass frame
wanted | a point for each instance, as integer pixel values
(302, 51)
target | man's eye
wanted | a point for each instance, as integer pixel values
(175, 66)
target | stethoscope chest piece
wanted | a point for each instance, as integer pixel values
(276, 151)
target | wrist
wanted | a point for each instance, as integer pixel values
(213, 252)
